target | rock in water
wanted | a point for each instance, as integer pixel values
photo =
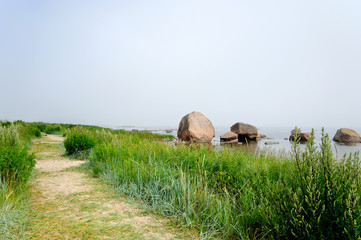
(302, 136)
(346, 135)
(245, 131)
(195, 127)
(229, 136)
(271, 143)
(260, 135)
(298, 131)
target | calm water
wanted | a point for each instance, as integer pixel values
(274, 134)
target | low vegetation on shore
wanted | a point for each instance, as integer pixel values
(16, 164)
(224, 193)
(235, 194)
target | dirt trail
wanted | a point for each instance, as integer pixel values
(68, 203)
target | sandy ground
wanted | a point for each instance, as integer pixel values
(69, 190)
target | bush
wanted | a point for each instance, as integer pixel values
(40, 125)
(49, 129)
(78, 141)
(5, 124)
(15, 161)
(33, 131)
(319, 198)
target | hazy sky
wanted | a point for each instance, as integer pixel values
(148, 63)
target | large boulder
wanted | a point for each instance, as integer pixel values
(244, 131)
(195, 127)
(229, 136)
(346, 135)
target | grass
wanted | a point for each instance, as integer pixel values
(13, 208)
(15, 169)
(17, 217)
(88, 214)
(227, 193)
(238, 194)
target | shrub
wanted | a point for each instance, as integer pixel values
(78, 141)
(41, 126)
(15, 161)
(5, 124)
(49, 129)
(319, 197)
(33, 131)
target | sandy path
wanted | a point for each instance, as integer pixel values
(69, 204)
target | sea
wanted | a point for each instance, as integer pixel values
(276, 141)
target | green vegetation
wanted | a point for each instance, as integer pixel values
(52, 129)
(78, 140)
(224, 193)
(16, 165)
(237, 194)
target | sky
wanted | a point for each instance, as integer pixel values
(149, 63)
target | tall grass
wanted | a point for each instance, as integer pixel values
(16, 165)
(237, 194)
(13, 207)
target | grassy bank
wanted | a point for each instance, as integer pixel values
(231, 193)
(228, 193)
(16, 164)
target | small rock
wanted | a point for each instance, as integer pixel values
(229, 136)
(262, 136)
(271, 143)
(234, 141)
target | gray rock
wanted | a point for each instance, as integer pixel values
(271, 143)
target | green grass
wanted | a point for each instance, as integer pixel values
(13, 209)
(15, 169)
(227, 193)
(238, 194)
